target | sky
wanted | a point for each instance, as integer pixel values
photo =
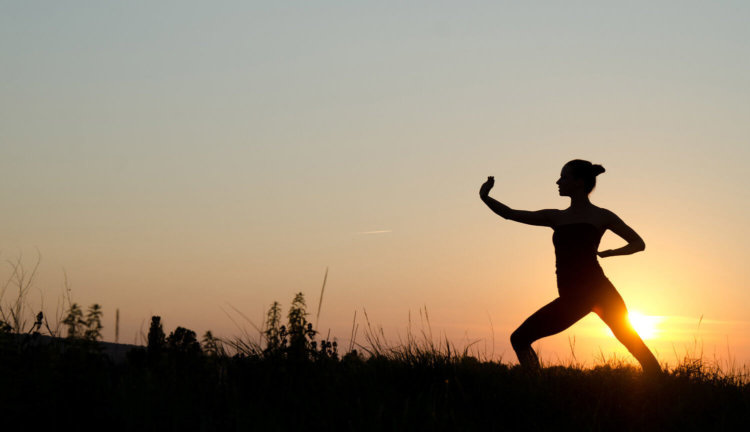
(191, 160)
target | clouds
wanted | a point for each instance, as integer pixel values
(375, 232)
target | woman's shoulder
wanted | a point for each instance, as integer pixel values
(606, 213)
(592, 211)
(606, 216)
(594, 215)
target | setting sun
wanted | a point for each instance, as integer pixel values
(645, 325)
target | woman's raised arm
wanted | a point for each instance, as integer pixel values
(539, 217)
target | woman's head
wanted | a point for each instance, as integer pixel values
(578, 173)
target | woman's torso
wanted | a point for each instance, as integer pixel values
(576, 245)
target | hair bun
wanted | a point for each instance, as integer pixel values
(597, 169)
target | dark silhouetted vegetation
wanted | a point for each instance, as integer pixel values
(290, 380)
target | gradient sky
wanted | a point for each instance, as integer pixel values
(176, 158)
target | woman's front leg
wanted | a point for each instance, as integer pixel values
(552, 318)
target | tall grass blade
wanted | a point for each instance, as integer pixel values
(320, 302)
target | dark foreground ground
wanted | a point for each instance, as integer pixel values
(77, 386)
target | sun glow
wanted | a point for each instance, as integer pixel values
(645, 325)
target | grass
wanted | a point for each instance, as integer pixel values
(415, 387)
(289, 378)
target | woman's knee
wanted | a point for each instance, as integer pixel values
(519, 340)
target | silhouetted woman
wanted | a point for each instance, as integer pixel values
(581, 283)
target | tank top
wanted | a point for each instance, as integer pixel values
(577, 268)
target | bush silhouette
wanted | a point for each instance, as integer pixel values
(183, 341)
(296, 340)
(156, 338)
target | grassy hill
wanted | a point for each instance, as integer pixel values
(181, 386)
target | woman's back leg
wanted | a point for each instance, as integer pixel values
(613, 312)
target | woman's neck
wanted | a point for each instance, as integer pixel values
(579, 201)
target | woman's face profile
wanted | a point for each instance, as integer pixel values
(566, 184)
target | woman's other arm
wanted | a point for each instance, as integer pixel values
(540, 217)
(635, 242)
